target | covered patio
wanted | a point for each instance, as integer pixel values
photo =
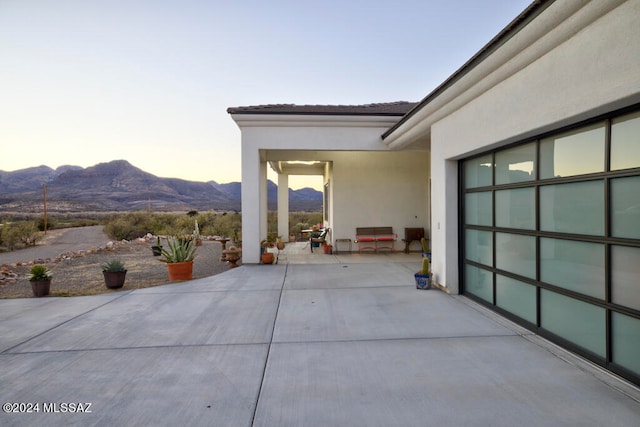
(365, 184)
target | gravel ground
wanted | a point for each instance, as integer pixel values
(83, 275)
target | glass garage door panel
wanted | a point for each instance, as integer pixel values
(479, 282)
(516, 254)
(626, 344)
(516, 164)
(577, 266)
(573, 208)
(625, 142)
(516, 297)
(479, 246)
(575, 321)
(516, 208)
(625, 207)
(478, 172)
(478, 208)
(558, 154)
(625, 277)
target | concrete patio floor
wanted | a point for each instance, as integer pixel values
(317, 340)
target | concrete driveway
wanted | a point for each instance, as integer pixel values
(292, 345)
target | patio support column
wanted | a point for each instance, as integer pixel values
(283, 206)
(253, 173)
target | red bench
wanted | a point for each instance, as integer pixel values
(375, 238)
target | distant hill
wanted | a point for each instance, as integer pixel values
(30, 178)
(120, 186)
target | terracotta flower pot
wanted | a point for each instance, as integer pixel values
(268, 258)
(114, 279)
(40, 288)
(180, 270)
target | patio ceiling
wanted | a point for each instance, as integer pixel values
(299, 167)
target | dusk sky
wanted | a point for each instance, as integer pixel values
(149, 81)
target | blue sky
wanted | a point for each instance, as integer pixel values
(149, 81)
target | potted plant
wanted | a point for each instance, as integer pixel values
(231, 255)
(280, 243)
(40, 279)
(327, 248)
(179, 255)
(157, 248)
(423, 277)
(267, 256)
(114, 274)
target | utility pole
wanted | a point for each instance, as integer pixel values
(44, 195)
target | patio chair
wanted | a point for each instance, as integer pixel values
(320, 239)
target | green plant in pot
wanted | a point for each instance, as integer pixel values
(423, 277)
(114, 273)
(425, 248)
(40, 278)
(179, 255)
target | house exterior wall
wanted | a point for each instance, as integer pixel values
(585, 65)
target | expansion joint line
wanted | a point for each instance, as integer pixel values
(266, 360)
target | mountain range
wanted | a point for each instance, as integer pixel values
(120, 186)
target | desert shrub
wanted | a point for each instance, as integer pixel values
(163, 223)
(227, 224)
(19, 232)
(117, 229)
(39, 222)
(129, 226)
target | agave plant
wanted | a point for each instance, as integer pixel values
(113, 266)
(178, 250)
(39, 273)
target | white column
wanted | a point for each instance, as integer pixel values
(262, 185)
(444, 223)
(283, 206)
(251, 205)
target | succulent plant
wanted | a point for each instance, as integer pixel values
(178, 250)
(113, 266)
(39, 273)
(425, 266)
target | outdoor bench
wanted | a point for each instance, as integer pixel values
(375, 238)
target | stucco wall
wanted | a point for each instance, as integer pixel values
(379, 189)
(587, 65)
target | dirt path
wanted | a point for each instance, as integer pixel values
(57, 242)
